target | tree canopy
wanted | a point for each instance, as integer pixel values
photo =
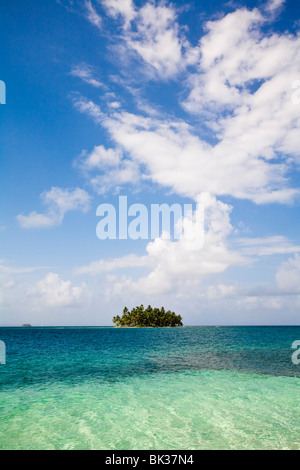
(153, 317)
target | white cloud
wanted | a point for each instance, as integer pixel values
(273, 5)
(114, 104)
(106, 169)
(173, 266)
(108, 265)
(124, 8)
(244, 81)
(67, 200)
(36, 220)
(19, 270)
(88, 107)
(288, 275)
(52, 291)
(153, 34)
(92, 14)
(266, 246)
(242, 88)
(45, 300)
(115, 178)
(99, 158)
(157, 39)
(59, 202)
(259, 303)
(85, 72)
(177, 158)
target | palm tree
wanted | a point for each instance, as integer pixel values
(154, 317)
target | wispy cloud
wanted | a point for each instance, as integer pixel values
(273, 5)
(88, 107)
(20, 270)
(58, 201)
(92, 15)
(267, 246)
(113, 264)
(85, 72)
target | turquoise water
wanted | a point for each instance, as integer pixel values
(184, 388)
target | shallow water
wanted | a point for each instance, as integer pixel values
(184, 388)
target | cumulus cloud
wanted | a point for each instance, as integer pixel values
(244, 81)
(99, 158)
(36, 220)
(241, 88)
(175, 157)
(173, 264)
(58, 201)
(172, 267)
(153, 34)
(41, 296)
(52, 291)
(114, 104)
(107, 169)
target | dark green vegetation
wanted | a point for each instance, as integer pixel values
(153, 317)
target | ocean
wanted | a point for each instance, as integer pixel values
(150, 388)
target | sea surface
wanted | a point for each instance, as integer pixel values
(150, 388)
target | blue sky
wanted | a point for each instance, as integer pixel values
(181, 102)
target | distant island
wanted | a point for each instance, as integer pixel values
(149, 317)
(26, 325)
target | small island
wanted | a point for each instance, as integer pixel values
(139, 317)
